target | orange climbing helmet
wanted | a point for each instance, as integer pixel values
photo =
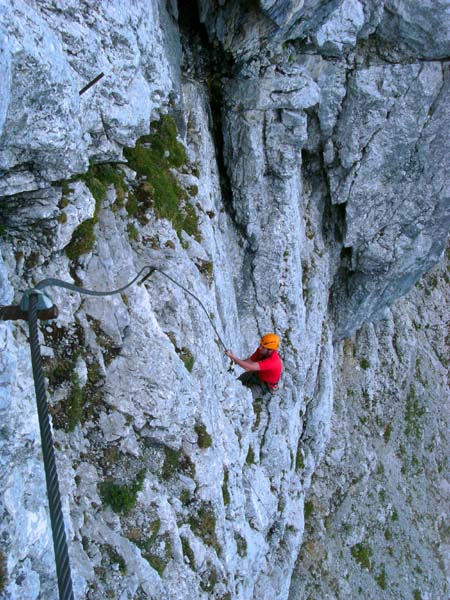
(270, 341)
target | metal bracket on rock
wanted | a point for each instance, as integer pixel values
(44, 301)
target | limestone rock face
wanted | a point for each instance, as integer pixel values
(50, 51)
(377, 510)
(283, 165)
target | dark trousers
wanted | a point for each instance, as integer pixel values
(249, 378)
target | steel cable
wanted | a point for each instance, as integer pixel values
(51, 474)
(70, 286)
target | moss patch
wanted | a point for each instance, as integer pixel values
(299, 459)
(83, 239)
(209, 581)
(257, 409)
(188, 552)
(241, 544)
(98, 179)
(362, 554)
(309, 509)
(171, 460)
(203, 524)
(75, 405)
(381, 578)
(152, 158)
(188, 358)
(414, 413)
(115, 558)
(132, 232)
(365, 364)
(225, 491)
(204, 440)
(122, 498)
(158, 552)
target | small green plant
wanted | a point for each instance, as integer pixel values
(188, 552)
(159, 555)
(171, 460)
(152, 158)
(157, 563)
(100, 177)
(250, 459)
(380, 469)
(132, 232)
(299, 459)
(83, 239)
(309, 509)
(362, 554)
(241, 544)
(122, 498)
(155, 526)
(186, 497)
(75, 405)
(187, 357)
(206, 268)
(365, 364)
(204, 526)
(115, 558)
(417, 594)
(381, 578)
(225, 491)
(387, 433)
(208, 583)
(413, 415)
(204, 440)
(257, 409)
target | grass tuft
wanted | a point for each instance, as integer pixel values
(204, 440)
(152, 158)
(122, 498)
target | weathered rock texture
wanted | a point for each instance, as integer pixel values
(377, 513)
(304, 193)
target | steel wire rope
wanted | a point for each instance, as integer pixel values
(70, 286)
(51, 475)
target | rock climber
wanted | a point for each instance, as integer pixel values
(264, 366)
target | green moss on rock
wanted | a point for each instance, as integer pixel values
(203, 524)
(171, 461)
(250, 459)
(152, 158)
(225, 491)
(362, 554)
(204, 440)
(122, 498)
(188, 552)
(83, 239)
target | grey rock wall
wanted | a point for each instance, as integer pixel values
(377, 511)
(313, 194)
